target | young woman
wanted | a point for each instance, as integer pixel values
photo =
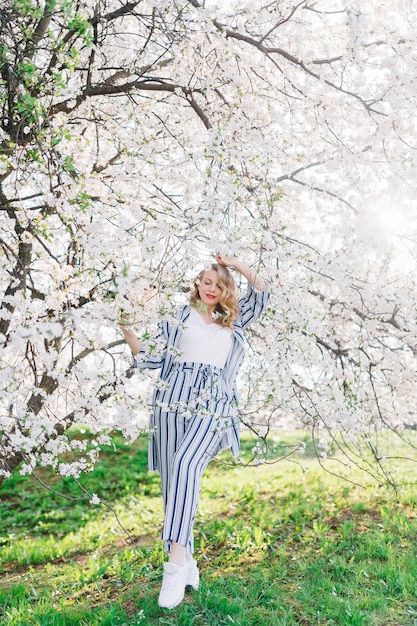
(194, 406)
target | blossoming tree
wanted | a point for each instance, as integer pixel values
(137, 137)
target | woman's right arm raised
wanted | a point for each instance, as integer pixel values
(131, 339)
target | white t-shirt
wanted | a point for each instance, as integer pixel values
(204, 343)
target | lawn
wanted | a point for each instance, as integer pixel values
(278, 545)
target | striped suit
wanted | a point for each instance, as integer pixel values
(194, 416)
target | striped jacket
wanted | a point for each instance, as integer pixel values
(251, 306)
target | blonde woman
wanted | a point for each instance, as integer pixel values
(194, 406)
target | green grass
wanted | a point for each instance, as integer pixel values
(277, 545)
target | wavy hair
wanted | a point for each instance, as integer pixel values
(227, 307)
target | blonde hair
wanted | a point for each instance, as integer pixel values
(227, 307)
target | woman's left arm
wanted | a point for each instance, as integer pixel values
(251, 276)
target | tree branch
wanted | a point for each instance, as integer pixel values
(295, 61)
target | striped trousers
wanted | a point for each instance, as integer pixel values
(191, 412)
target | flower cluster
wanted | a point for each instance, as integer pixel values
(301, 168)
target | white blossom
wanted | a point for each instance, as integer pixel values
(297, 156)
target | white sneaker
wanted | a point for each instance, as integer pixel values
(173, 585)
(193, 575)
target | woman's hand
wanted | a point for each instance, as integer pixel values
(123, 319)
(130, 337)
(252, 277)
(227, 261)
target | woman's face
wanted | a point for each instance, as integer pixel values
(209, 289)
